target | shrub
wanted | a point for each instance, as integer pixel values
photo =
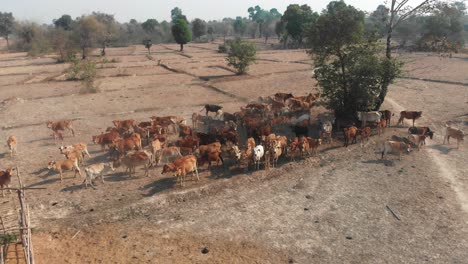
(222, 49)
(85, 71)
(241, 54)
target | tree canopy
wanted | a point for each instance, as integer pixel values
(198, 28)
(241, 54)
(181, 32)
(65, 22)
(149, 26)
(6, 25)
(348, 68)
(296, 19)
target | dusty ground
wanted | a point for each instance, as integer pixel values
(330, 209)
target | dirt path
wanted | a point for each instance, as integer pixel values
(446, 171)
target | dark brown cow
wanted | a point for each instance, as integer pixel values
(409, 115)
(283, 96)
(387, 115)
(212, 108)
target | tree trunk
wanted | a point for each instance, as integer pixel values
(181, 47)
(103, 51)
(7, 43)
(83, 56)
(149, 51)
(388, 52)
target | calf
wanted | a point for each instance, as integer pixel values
(326, 132)
(61, 126)
(5, 179)
(314, 144)
(134, 159)
(181, 167)
(350, 133)
(304, 146)
(394, 146)
(409, 115)
(65, 165)
(364, 133)
(418, 140)
(455, 133)
(12, 143)
(95, 170)
(258, 153)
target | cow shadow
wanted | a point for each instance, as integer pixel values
(4, 155)
(390, 163)
(73, 188)
(41, 170)
(443, 149)
(46, 182)
(159, 186)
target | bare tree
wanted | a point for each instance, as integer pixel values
(401, 11)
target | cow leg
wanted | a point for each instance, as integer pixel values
(3, 192)
(61, 176)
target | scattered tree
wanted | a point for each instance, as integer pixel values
(348, 68)
(149, 26)
(198, 28)
(6, 26)
(296, 20)
(109, 30)
(181, 32)
(239, 26)
(241, 54)
(88, 31)
(210, 32)
(64, 22)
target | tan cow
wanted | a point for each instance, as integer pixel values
(455, 133)
(12, 143)
(95, 170)
(134, 159)
(61, 126)
(64, 165)
(395, 146)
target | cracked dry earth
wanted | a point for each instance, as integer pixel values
(326, 209)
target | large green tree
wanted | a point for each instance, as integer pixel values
(181, 32)
(239, 26)
(348, 67)
(241, 54)
(296, 19)
(198, 28)
(7, 22)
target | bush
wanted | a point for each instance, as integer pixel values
(241, 54)
(222, 49)
(85, 71)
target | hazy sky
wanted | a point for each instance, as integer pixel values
(43, 11)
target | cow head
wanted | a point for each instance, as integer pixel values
(51, 165)
(49, 124)
(168, 168)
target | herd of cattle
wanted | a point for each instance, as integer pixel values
(213, 138)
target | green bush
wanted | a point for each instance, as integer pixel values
(222, 49)
(85, 71)
(241, 54)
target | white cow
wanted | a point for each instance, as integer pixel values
(259, 151)
(395, 146)
(365, 117)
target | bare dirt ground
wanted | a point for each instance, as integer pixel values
(329, 209)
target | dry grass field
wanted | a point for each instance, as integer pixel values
(326, 209)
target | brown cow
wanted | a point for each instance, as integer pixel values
(304, 146)
(409, 115)
(181, 167)
(5, 179)
(126, 144)
(124, 124)
(185, 131)
(61, 126)
(365, 133)
(350, 133)
(418, 140)
(387, 115)
(210, 157)
(314, 144)
(106, 139)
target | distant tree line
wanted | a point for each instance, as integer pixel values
(443, 24)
